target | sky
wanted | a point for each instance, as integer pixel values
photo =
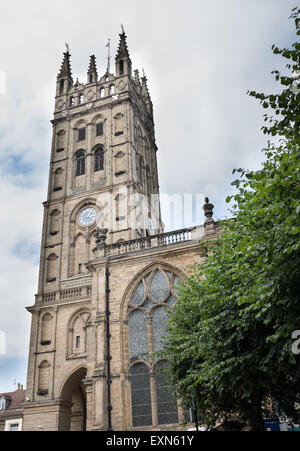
(200, 59)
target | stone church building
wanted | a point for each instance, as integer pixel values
(108, 272)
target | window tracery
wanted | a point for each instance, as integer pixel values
(148, 309)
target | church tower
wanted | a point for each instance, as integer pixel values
(102, 247)
(103, 161)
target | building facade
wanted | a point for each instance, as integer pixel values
(108, 273)
(11, 410)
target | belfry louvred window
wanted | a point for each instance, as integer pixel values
(80, 163)
(99, 129)
(99, 159)
(81, 134)
(61, 86)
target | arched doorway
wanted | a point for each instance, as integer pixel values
(73, 415)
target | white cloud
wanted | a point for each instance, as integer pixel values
(20, 229)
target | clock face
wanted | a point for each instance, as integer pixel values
(87, 217)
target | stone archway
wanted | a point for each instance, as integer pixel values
(73, 396)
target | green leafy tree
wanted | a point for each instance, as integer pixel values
(230, 336)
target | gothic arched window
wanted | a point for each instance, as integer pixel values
(151, 401)
(142, 174)
(54, 222)
(58, 179)
(120, 206)
(80, 162)
(44, 378)
(60, 139)
(119, 164)
(81, 134)
(46, 333)
(118, 124)
(141, 395)
(99, 159)
(61, 86)
(140, 168)
(99, 128)
(167, 411)
(140, 140)
(79, 253)
(52, 267)
(77, 329)
(148, 180)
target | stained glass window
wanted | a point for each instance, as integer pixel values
(159, 287)
(140, 395)
(167, 410)
(171, 300)
(159, 322)
(149, 305)
(138, 295)
(138, 337)
(176, 285)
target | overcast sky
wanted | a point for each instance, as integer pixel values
(200, 58)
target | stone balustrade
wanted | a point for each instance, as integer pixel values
(151, 242)
(65, 295)
(160, 240)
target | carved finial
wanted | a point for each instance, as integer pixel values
(100, 235)
(208, 210)
(137, 81)
(65, 70)
(92, 70)
(123, 50)
(145, 89)
(92, 67)
(123, 32)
